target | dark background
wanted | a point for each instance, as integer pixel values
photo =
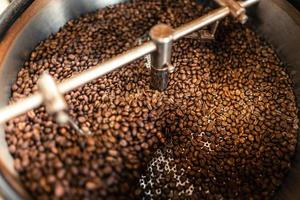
(296, 3)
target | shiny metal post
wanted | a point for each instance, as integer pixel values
(54, 101)
(161, 35)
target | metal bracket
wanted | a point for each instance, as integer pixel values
(205, 34)
(236, 10)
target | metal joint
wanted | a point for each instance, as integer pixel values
(162, 36)
(236, 9)
(54, 101)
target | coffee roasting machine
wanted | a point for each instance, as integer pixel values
(276, 20)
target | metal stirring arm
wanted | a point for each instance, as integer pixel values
(207, 34)
(55, 103)
(160, 47)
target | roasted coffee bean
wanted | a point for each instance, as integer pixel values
(225, 128)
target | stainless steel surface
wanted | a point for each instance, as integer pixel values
(159, 79)
(3, 5)
(161, 35)
(276, 20)
(279, 23)
(203, 21)
(249, 3)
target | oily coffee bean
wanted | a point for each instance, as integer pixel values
(225, 128)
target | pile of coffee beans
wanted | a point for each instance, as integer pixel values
(226, 127)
